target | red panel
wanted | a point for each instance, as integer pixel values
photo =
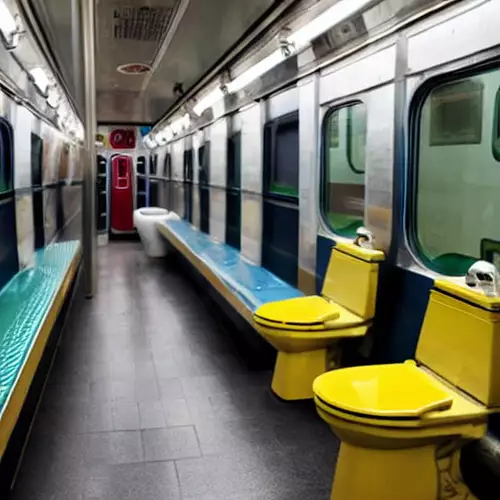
(122, 199)
(122, 138)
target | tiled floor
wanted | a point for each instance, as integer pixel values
(148, 400)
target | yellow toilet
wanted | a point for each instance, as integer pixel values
(306, 330)
(402, 425)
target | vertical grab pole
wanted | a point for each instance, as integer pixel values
(87, 10)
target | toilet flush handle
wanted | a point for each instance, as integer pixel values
(483, 276)
(364, 238)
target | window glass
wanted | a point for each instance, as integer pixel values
(457, 179)
(141, 165)
(36, 159)
(6, 163)
(204, 164)
(167, 166)
(285, 174)
(234, 161)
(344, 168)
(153, 164)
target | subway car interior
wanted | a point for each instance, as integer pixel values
(248, 250)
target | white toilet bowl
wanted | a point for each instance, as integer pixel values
(145, 220)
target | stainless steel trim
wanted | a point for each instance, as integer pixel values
(89, 175)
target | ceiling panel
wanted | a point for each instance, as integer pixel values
(134, 31)
(206, 30)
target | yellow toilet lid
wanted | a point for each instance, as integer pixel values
(301, 311)
(383, 391)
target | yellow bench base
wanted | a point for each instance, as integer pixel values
(294, 373)
(397, 474)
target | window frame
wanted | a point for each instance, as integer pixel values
(270, 160)
(410, 206)
(324, 163)
(495, 137)
(349, 141)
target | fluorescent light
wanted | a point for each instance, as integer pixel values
(150, 142)
(177, 126)
(168, 133)
(208, 101)
(61, 119)
(54, 98)
(336, 14)
(161, 138)
(8, 26)
(186, 121)
(256, 71)
(80, 132)
(40, 79)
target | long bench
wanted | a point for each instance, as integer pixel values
(30, 305)
(244, 285)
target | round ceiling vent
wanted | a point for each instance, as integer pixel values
(134, 69)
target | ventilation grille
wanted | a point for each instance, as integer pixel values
(144, 24)
(339, 36)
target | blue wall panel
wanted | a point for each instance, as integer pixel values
(280, 242)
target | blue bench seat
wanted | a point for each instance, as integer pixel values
(29, 305)
(243, 284)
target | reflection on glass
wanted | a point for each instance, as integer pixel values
(344, 175)
(458, 176)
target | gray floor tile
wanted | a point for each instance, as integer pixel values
(170, 444)
(125, 416)
(170, 388)
(151, 415)
(176, 412)
(114, 448)
(100, 417)
(149, 481)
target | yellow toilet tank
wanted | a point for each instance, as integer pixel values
(460, 340)
(352, 277)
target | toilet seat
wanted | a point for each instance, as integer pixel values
(396, 395)
(312, 313)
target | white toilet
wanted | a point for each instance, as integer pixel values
(145, 220)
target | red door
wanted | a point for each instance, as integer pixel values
(122, 199)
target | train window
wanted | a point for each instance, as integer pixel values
(234, 161)
(167, 166)
(343, 190)
(456, 176)
(281, 156)
(6, 158)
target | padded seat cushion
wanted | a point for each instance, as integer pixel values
(253, 284)
(24, 303)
